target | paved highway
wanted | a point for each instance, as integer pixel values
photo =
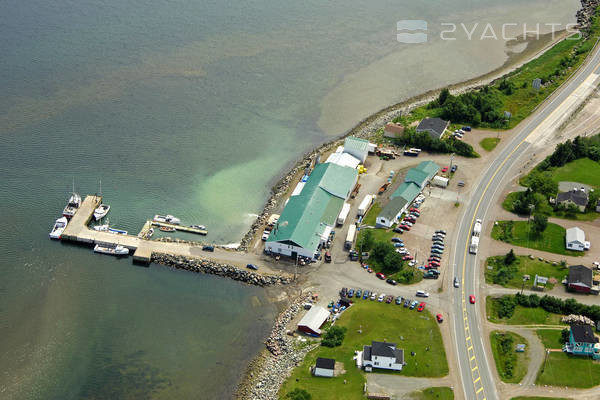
(475, 367)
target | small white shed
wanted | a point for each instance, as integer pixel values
(440, 181)
(575, 239)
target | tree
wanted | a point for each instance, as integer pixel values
(334, 336)
(565, 335)
(444, 94)
(510, 257)
(572, 211)
(298, 394)
(367, 240)
(392, 262)
(506, 306)
(380, 250)
(540, 223)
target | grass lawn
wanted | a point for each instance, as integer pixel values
(371, 217)
(409, 329)
(525, 266)
(551, 338)
(551, 240)
(583, 170)
(587, 216)
(538, 398)
(519, 360)
(562, 369)
(522, 315)
(490, 143)
(433, 393)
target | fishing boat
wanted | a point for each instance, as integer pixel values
(106, 228)
(58, 228)
(101, 211)
(117, 250)
(201, 227)
(168, 219)
(73, 203)
(167, 229)
(150, 233)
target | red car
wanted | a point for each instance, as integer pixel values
(410, 219)
(421, 307)
(380, 275)
(434, 263)
(439, 318)
(407, 258)
(471, 299)
(414, 209)
(369, 270)
(405, 227)
(445, 169)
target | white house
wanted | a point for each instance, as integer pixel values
(382, 355)
(575, 239)
(324, 367)
(390, 213)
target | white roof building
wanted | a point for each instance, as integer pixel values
(313, 320)
(343, 159)
(575, 239)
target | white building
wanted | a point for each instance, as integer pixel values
(390, 213)
(313, 320)
(324, 367)
(343, 159)
(382, 355)
(440, 181)
(356, 147)
(575, 239)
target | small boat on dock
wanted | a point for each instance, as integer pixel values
(58, 228)
(73, 203)
(201, 227)
(167, 219)
(167, 229)
(149, 233)
(106, 228)
(101, 211)
(117, 250)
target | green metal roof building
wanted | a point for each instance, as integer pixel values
(429, 167)
(408, 191)
(308, 217)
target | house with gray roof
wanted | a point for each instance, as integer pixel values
(579, 197)
(390, 213)
(382, 355)
(308, 217)
(434, 126)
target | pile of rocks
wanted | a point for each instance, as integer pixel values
(214, 268)
(269, 372)
(585, 13)
(573, 319)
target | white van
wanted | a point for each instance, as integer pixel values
(421, 293)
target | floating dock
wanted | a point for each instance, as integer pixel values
(181, 228)
(77, 230)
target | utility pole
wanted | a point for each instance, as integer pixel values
(531, 208)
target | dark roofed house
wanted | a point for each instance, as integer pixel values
(382, 355)
(583, 342)
(580, 279)
(324, 367)
(578, 197)
(393, 130)
(435, 126)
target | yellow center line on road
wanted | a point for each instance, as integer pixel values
(477, 380)
(478, 205)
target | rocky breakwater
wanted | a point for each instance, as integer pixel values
(586, 12)
(267, 373)
(220, 269)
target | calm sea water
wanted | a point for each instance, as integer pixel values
(191, 108)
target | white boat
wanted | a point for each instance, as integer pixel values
(167, 219)
(106, 228)
(117, 250)
(73, 204)
(101, 211)
(101, 228)
(201, 227)
(58, 228)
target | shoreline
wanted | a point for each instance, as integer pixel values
(269, 368)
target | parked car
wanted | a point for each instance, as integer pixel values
(413, 304)
(265, 235)
(398, 230)
(471, 299)
(421, 307)
(399, 300)
(370, 270)
(412, 263)
(358, 293)
(445, 169)
(443, 232)
(430, 275)
(380, 276)
(381, 297)
(343, 292)
(389, 299)
(421, 293)
(434, 263)
(406, 302)
(401, 251)
(350, 293)
(391, 281)
(454, 168)
(414, 209)
(405, 227)
(407, 257)
(397, 240)
(466, 128)
(461, 183)
(366, 294)
(252, 266)
(373, 296)
(407, 223)
(436, 251)
(327, 257)
(456, 284)
(439, 318)
(398, 244)
(208, 248)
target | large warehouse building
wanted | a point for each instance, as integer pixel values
(310, 215)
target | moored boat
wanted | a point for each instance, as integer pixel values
(167, 229)
(73, 203)
(117, 250)
(201, 227)
(101, 211)
(58, 228)
(168, 219)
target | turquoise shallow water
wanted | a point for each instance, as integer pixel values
(185, 107)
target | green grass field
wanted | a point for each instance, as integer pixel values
(371, 217)
(433, 393)
(551, 338)
(520, 360)
(583, 170)
(489, 144)
(507, 204)
(522, 315)
(562, 369)
(526, 266)
(409, 329)
(551, 240)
